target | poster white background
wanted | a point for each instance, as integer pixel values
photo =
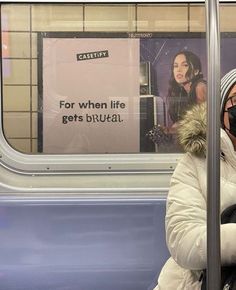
(79, 95)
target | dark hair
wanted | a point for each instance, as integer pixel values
(176, 92)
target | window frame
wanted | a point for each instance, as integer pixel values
(86, 163)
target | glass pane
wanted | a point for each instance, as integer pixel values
(102, 78)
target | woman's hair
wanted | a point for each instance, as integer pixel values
(176, 90)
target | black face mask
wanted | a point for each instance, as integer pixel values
(232, 120)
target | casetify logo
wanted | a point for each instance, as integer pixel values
(92, 55)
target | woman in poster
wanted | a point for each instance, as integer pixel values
(186, 86)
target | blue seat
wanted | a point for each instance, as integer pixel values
(79, 245)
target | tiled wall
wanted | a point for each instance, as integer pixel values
(20, 24)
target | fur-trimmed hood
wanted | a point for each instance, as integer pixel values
(192, 130)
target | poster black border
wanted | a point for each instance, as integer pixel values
(69, 34)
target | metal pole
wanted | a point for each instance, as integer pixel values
(213, 147)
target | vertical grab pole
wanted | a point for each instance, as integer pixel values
(213, 146)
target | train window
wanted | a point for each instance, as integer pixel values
(100, 86)
(73, 83)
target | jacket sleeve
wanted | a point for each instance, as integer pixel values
(186, 217)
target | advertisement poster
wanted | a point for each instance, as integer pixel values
(90, 95)
(108, 92)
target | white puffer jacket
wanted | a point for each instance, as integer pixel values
(186, 207)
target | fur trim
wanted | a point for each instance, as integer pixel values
(192, 130)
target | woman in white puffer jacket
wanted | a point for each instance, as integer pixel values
(186, 204)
